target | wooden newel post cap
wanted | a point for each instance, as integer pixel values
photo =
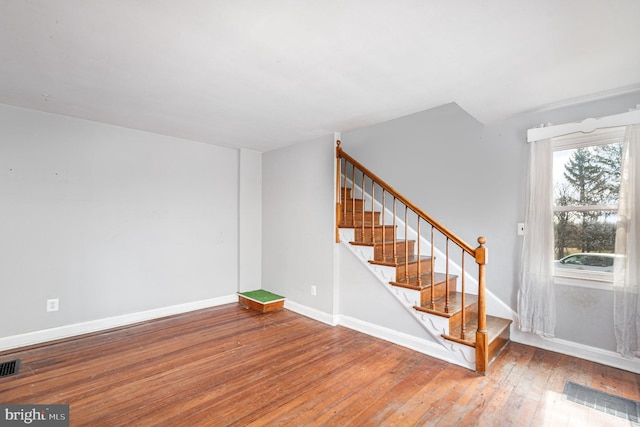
(338, 142)
(482, 255)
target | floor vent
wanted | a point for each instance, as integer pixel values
(9, 368)
(604, 402)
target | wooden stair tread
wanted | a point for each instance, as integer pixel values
(349, 225)
(425, 281)
(455, 304)
(359, 213)
(380, 243)
(357, 224)
(495, 327)
(362, 243)
(367, 228)
(389, 261)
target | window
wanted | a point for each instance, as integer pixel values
(586, 180)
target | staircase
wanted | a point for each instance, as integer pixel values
(386, 230)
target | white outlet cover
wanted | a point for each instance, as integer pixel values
(53, 304)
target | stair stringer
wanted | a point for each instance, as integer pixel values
(434, 325)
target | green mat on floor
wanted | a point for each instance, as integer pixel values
(261, 295)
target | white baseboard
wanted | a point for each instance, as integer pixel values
(37, 337)
(312, 313)
(581, 351)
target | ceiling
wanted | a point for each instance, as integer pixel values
(263, 74)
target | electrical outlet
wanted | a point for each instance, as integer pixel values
(53, 304)
(313, 291)
(521, 229)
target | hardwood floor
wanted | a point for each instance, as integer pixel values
(232, 366)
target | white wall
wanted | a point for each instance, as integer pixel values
(250, 221)
(109, 220)
(298, 228)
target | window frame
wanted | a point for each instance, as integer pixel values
(585, 278)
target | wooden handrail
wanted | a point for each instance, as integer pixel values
(458, 241)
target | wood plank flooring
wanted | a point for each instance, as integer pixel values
(230, 366)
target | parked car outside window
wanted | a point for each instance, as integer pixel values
(587, 261)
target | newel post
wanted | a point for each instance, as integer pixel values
(338, 189)
(482, 338)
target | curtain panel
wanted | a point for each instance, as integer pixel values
(626, 270)
(536, 295)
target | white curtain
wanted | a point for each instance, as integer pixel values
(626, 272)
(536, 297)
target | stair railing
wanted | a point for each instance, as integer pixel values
(349, 173)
